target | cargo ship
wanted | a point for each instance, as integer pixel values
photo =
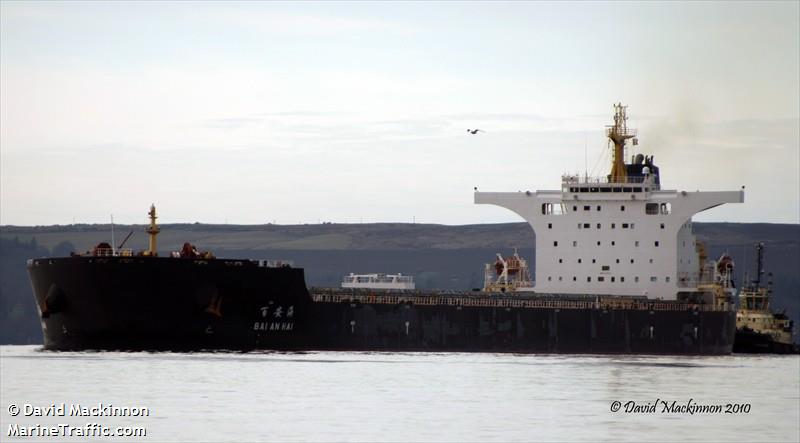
(618, 270)
(758, 329)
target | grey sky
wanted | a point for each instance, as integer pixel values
(346, 112)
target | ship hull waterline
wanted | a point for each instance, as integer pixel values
(148, 303)
(748, 341)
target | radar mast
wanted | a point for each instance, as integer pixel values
(619, 133)
(153, 231)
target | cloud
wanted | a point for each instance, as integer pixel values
(230, 123)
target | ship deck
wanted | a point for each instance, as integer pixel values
(501, 300)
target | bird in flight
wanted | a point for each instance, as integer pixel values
(475, 131)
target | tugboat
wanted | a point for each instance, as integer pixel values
(758, 329)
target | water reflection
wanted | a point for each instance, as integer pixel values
(327, 396)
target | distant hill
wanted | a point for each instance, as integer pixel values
(439, 256)
(328, 236)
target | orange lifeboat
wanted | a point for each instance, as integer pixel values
(498, 266)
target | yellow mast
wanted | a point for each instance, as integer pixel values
(153, 231)
(618, 133)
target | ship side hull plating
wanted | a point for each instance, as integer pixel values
(749, 341)
(354, 326)
(187, 304)
(165, 303)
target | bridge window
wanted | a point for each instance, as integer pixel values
(658, 208)
(552, 209)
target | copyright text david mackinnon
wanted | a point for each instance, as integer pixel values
(79, 410)
(678, 407)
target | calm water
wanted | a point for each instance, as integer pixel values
(328, 396)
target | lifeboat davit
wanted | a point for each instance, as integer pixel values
(724, 264)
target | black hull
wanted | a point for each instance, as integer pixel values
(186, 304)
(748, 341)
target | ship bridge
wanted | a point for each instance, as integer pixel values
(621, 234)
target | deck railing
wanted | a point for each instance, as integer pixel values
(109, 252)
(329, 296)
(575, 179)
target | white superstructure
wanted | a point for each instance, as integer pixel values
(616, 235)
(378, 281)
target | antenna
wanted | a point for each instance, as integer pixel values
(113, 248)
(760, 264)
(745, 277)
(585, 157)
